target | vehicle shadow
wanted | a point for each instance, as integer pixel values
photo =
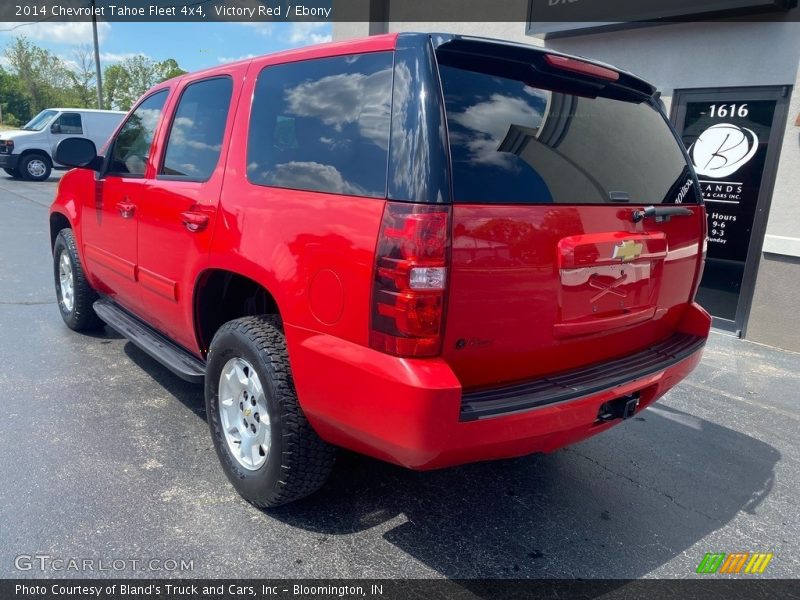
(616, 506)
(188, 394)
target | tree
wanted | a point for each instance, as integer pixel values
(38, 79)
(126, 81)
(167, 69)
(15, 106)
(43, 76)
(82, 77)
(114, 81)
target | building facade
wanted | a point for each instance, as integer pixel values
(730, 85)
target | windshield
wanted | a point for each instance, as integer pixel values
(40, 121)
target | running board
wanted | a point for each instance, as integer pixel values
(176, 359)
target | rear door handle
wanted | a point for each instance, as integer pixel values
(126, 209)
(195, 221)
(660, 213)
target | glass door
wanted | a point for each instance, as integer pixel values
(733, 138)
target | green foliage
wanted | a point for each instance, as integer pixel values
(37, 78)
(10, 120)
(124, 83)
(167, 69)
(13, 102)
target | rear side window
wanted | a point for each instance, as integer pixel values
(323, 125)
(132, 145)
(69, 123)
(516, 143)
(195, 138)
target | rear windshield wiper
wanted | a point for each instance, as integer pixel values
(660, 213)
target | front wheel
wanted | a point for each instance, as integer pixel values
(13, 172)
(267, 448)
(75, 296)
(35, 166)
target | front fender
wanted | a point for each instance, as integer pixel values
(66, 207)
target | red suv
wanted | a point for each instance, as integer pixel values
(431, 249)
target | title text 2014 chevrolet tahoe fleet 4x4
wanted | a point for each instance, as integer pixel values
(431, 249)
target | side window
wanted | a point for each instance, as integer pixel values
(132, 145)
(195, 139)
(69, 123)
(323, 125)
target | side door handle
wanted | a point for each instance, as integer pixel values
(195, 221)
(126, 208)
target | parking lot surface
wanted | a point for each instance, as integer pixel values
(104, 454)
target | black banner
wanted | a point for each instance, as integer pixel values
(391, 589)
(578, 12)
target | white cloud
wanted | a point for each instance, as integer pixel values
(310, 33)
(298, 34)
(265, 29)
(116, 57)
(62, 33)
(228, 59)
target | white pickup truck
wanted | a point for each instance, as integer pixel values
(27, 153)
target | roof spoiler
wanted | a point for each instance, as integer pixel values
(593, 76)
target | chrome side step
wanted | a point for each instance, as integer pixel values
(175, 358)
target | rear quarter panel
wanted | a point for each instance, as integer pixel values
(312, 251)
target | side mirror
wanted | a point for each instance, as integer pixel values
(78, 152)
(55, 128)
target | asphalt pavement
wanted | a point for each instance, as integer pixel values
(105, 455)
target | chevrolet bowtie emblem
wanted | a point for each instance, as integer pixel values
(627, 250)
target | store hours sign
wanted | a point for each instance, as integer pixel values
(727, 142)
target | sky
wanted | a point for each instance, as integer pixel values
(193, 45)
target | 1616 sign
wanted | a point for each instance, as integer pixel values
(727, 143)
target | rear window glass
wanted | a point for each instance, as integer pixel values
(514, 143)
(323, 125)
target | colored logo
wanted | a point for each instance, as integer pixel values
(737, 563)
(722, 149)
(627, 250)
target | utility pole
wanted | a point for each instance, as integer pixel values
(97, 59)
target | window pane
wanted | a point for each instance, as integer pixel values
(512, 142)
(70, 123)
(323, 125)
(195, 140)
(132, 146)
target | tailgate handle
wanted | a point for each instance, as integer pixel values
(660, 213)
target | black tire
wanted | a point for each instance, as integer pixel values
(298, 462)
(14, 173)
(27, 162)
(80, 315)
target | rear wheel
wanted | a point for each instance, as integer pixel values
(35, 166)
(267, 448)
(75, 296)
(13, 172)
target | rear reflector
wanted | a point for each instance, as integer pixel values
(582, 67)
(410, 279)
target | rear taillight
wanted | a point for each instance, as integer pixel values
(408, 293)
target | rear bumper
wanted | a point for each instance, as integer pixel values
(9, 161)
(411, 412)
